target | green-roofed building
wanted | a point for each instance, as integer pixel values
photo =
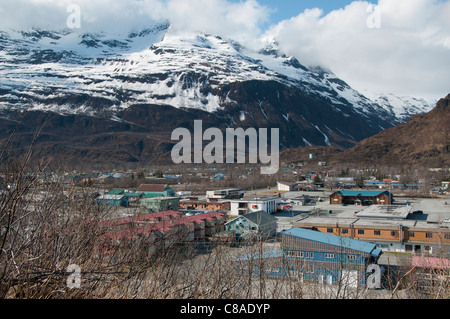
(115, 192)
(158, 204)
(156, 190)
(134, 197)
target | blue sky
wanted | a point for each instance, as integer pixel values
(286, 9)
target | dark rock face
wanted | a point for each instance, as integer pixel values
(101, 99)
(142, 133)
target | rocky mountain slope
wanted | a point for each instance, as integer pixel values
(117, 97)
(423, 140)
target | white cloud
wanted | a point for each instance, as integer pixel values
(97, 15)
(240, 21)
(409, 54)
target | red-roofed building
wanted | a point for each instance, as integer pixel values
(431, 275)
(431, 262)
(162, 229)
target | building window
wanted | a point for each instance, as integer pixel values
(351, 257)
(393, 234)
(411, 234)
(377, 232)
(309, 255)
(447, 236)
(360, 231)
(298, 254)
(345, 231)
(329, 256)
(429, 235)
(329, 230)
(309, 269)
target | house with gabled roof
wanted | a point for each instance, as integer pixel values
(258, 224)
(156, 190)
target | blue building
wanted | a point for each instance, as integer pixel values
(315, 256)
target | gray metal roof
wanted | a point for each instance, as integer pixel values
(260, 218)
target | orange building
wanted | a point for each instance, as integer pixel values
(392, 235)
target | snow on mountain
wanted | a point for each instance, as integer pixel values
(157, 66)
(403, 107)
(118, 96)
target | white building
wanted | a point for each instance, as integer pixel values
(285, 186)
(225, 194)
(249, 205)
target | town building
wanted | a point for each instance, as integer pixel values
(298, 200)
(430, 275)
(193, 203)
(390, 228)
(332, 258)
(362, 198)
(133, 197)
(311, 255)
(112, 200)
(305, 186)
(115, 192)
(156, 190)
(285, 186)
(248, 205)
(261, 225)
(231, 193)
(158, 231)
(157, 204)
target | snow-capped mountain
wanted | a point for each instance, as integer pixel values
(121, 79)
(402, 107)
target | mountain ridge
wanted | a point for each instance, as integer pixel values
(423, 141)
(120, 84)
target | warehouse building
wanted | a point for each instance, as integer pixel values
(315, 256)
